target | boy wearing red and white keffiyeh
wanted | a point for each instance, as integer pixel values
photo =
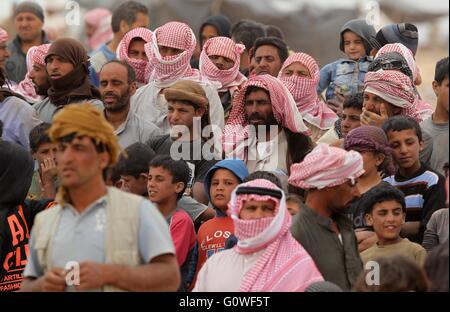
(266, 258)
(170, 50)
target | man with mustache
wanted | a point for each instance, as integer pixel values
(117, 85)
(67, 69)
(265, 128)
(28, 21)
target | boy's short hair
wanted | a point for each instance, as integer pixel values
(441, 70)
(279, 44)
(134, 160)
(38, 136)
(247, 31)
(400, 123)
(397, 274)
(269, 176)
(127, 12)
(382, 193)
(354, 101)
(179, 170)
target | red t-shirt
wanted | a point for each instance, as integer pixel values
(183, 234)
(211, 238)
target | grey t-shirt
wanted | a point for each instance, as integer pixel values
(47, 109)
(81, 237)
(437, 229)
(439, 133)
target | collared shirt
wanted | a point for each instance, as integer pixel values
(135, 129)
(337, 260)
(46, 109)
(81, 237)
(16, 65)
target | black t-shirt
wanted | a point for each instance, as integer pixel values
(197, 154)
(14, 250)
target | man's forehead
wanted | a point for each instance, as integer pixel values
(266, 49)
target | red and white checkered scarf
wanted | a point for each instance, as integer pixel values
(284, 108)
(326, 166)
(425, 109)
(230, 79)
(100, 18)
(139, 66)
(169, 69)
(35, 55)
(3, 35)
(284, 265)
(313, 110)
(395, 88)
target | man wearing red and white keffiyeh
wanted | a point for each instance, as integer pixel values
(170, 50)
(219, 64)
(131, 49)
(32, 89)
(425, 109)
(301, 75)
(265, 128)
(266, 258)
(397, 96)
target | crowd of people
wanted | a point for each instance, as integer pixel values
(130, 162)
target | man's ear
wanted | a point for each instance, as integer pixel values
(369, 219)
(199, 112)
(179, 187)
(133, 87)
(435, 86)
(124, 27)
(104, 159)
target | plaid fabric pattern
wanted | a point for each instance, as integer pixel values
(222, 46)
(284, 265)
(398, 87)
(313, 110)
(140, 66)
(326, 166)
(100, 18)
(171, 68)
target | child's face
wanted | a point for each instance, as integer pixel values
(223, 183)
(405, 147)
(293, 207)
(371, 161)
(132, 185)
(353, 45)
(350, 119)
(45, 151)
(386, 218)
(160, 185)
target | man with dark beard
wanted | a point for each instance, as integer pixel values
(38, 73)
(67, 69)
(117, 85)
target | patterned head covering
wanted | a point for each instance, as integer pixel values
(171, 68)
(424, 108)
(326, 166)
(35, 55)
(283, 106)
(395, 88)
(140, 66)
(371, 139)
(99, 18)
(284, 265)
(225, 47)
(3, 35)
(303, 89)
